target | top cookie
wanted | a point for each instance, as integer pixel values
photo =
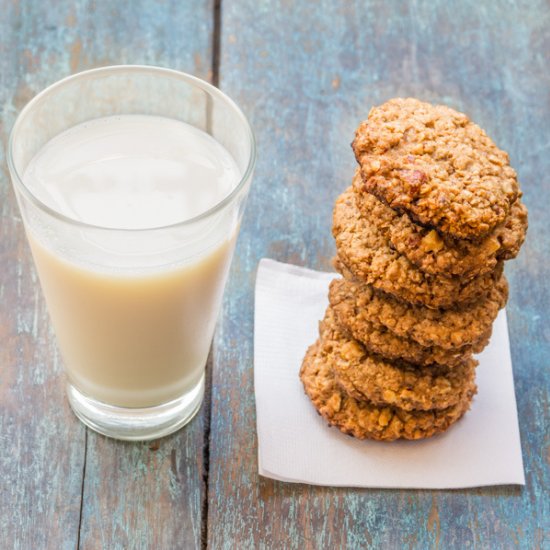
(433, 163)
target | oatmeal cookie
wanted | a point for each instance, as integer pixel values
(363, 247)
(433, 163)
(452, 329)
(363, 419)
(379, 339)
(439, 254)
(364, 375)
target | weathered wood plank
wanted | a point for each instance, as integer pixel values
(135, 495)
(306, 73)
(42, 455)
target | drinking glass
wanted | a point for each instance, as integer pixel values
(133, 310)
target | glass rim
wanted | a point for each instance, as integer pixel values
(188, 78)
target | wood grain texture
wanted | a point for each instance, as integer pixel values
(134, 495)
(306, 73)
(43, 450)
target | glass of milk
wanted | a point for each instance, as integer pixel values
(132, 182)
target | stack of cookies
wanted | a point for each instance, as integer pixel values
(421, 235)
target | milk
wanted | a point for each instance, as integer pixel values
(132, 171)
(134, 317)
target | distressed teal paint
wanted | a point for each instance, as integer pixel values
(123, 495)
(135, 497)
(306, 73)
(42, 444)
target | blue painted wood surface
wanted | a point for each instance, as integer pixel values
(305, 72)
(62, 486)
(43, 447)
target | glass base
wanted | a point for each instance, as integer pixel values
(131, 424)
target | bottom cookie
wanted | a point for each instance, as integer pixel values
(364, 420)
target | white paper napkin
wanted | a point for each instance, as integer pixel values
(295, 444)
